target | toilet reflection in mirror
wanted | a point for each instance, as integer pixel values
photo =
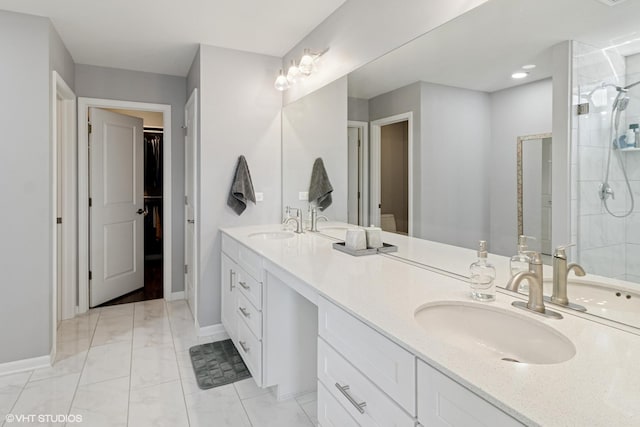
(534, 191)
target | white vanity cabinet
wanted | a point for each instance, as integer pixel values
(372, 378)
(443, 402)
(241, 279)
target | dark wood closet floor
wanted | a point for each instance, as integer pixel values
(152, 286)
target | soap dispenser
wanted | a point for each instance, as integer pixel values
(483, 275)
(520, 262)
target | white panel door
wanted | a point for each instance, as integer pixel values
(190, 242)
(117, 207)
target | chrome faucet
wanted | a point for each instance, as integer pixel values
(560, 276)
(297, 219)
(536, 296)
(315, 218)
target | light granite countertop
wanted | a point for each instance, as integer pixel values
(599, 386)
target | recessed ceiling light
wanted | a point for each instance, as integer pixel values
(519, 75)
(529, 67)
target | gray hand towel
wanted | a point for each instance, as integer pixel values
(320, 188)
(241, 188)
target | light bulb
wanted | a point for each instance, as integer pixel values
(519, 75)
(293, 75)
(282, 83)
(306, 63)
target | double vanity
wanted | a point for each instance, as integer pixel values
(395, 340)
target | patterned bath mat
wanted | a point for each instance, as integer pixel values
(217, 363)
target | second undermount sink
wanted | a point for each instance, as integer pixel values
(272, 235)
(495, 333)
(602, 300)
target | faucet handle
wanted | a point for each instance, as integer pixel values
(534, 257)
(560, 251)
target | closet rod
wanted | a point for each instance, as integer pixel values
(153, 197)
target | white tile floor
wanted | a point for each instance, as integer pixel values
(129, 365)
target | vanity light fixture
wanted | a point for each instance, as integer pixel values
(282, 83)
(295, 74)
(519, 75)
(306, 63)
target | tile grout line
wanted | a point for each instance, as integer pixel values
(175, 354)
(133, 321)
(86, 356)
(242, 404)
(18, 397)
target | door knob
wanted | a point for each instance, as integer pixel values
(142, 212)
(191, 221)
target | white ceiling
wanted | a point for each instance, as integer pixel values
(161, 35)
(481, 49)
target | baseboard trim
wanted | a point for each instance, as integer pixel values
(218, 332)
(25, 365)
(175, 296)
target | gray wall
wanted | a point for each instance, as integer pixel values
(26, 217)
(455, 157)
(125, 85)
(522, 110)
(239, 114)
(358, 109)
(60, 58)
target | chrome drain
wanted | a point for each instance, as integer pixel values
(509, 359)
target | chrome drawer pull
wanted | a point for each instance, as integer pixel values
(232, 274)
(244, 285)
(244, 346)
(244, 312)
(344, 390)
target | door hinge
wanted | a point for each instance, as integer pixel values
(583, 108)
(90, 127)
(59, 220)
(186, 269)
(358, 194)
(186, 200)
(358, 143)
(90, 202)
(185, 129)
(90, 275)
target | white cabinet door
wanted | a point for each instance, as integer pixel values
(444, 403)
(190, 208)
(229, 281)
(117, 203)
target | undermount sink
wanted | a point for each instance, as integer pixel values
(492, 332)
(602, 300)
(272, 235)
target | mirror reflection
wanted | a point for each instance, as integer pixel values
(508, 131)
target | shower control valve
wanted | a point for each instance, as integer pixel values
(606, 191)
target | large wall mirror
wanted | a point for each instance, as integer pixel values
(473, 131)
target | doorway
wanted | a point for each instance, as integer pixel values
(123, 263)
(392, 173)
(152, 211)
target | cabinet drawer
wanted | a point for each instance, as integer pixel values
(250, 348)
(330, 413)
(386, 364)
(249, 314)
(350, 387)
(443, 402)
(250, 287)
(251, 262)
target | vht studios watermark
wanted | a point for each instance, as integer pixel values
(43, 418)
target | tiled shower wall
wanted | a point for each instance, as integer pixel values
(633, 172)
(600, 238)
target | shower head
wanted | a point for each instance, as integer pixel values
(621, 103)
